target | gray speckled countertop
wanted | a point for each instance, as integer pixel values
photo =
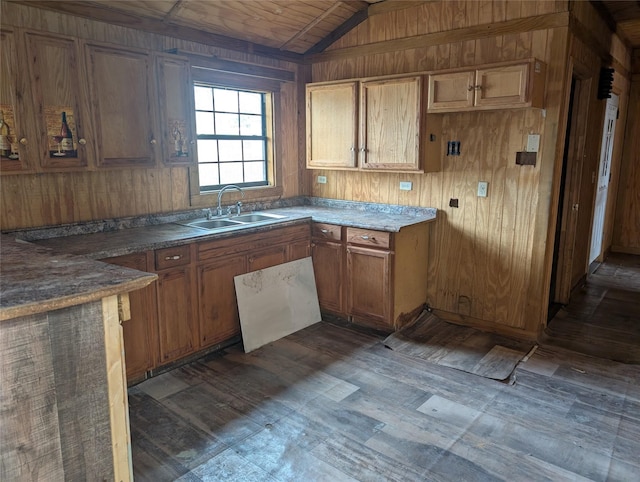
(33, 280)
(118, 241)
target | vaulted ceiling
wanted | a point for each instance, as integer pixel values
(276, 27)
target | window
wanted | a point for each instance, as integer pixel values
(232, 127)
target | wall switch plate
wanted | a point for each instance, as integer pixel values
(322, 179)
(533, 143)
(406, 185)
(483, 187)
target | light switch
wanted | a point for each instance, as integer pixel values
(533, 143)
(322, 179)
(483, 187)
(406, 185)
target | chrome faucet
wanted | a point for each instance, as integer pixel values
(221, 192)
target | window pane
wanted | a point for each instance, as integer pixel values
(225, 100)
(207, 150)
(204, 123)
(250, 103)
(230, 151)
(204, 98)
(251, 125)
(227, 124)
(253, 150)
(254, 172)
(208, 174)
(231, 173)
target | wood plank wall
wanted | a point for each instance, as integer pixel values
(626, 235)
(30, 200)
(490, 261)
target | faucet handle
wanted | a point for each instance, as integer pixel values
(238, 207)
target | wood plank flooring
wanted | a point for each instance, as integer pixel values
(331, 404)
(603, 317)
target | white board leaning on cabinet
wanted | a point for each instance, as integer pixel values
(275, 302)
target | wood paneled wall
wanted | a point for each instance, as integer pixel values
(30, 200)
(626, 235)
(490, 258)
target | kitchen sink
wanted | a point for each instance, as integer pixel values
(255, 217)
(235, 221)
(214, 223)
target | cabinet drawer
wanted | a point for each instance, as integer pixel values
(326, 231)
(368, 237)
(170, 257)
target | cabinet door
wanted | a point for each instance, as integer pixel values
(502, 86)
(298, 250)
(267, 258)
(452, 91)
(328, 267)
(332, 120)
(176, 110)
(390, 124)
(13, 148)
(55, 71)
(177, 323)
(219, 319)
(369, 286)
(141, 331)
(122, 99)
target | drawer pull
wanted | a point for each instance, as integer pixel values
(172, 258)
(365, 237)
(324, 231)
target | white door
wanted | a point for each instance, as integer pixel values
(603, 177)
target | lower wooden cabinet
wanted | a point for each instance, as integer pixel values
(219, 261)
(177, 323)
(141, 331)
(373, 278)
(219, 318)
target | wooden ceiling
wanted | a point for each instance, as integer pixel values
(626, 16)
(281, 28)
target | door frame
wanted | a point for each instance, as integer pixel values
(567, 213)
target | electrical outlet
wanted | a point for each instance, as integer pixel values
(483, 186)
(406, 185)
(322, 179)
(533, 142)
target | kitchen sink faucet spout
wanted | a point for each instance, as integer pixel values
(221, 192)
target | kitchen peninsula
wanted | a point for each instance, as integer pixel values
(63, 399)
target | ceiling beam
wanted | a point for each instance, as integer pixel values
(107, 15)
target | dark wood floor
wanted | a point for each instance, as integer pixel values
(331, 404)
(603, 317)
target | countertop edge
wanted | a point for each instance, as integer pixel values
(37, 307)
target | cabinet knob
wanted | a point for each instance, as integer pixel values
(470, 88)
(172, 258)
(352, 149)
(478, 87)
(153, 141)
(313, 245)
(23, 141)
(252, 259)
(363, 149)
(192, 142)
(82, 141)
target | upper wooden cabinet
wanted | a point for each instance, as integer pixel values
(175, 93)
(55, 70)
(390, 110)
(496, 87)
(13, 151)
(332, 125)
(372, 124)
(123, 102)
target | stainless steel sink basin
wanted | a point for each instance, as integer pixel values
(255, 217)
(234, 221)
(214, 223)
